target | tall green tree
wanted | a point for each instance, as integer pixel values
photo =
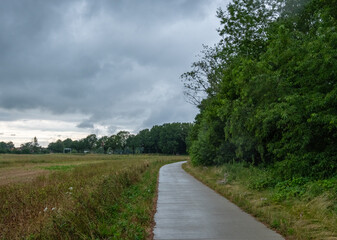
(56, 147)
(273, 99)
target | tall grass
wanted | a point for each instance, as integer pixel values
(299, 208)
(19, 160)
(111, 199)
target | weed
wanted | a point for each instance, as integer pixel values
(105, 197)
(299, 208)
(290, 188)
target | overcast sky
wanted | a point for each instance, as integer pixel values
(69, 68)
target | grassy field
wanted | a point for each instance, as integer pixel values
(61, 196)
(301, 209)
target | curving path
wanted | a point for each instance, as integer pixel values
(187, 209)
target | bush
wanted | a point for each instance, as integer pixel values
(202, 153)
(290, 188)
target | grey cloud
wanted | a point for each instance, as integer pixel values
(112, 130)
(171, 112)
(85, 125)
(116, 62)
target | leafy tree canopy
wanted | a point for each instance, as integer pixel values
(269, 91)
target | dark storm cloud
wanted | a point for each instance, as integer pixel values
(112, 61)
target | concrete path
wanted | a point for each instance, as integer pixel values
(187, 209)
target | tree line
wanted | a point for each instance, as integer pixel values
(267, 92)
(169, 138)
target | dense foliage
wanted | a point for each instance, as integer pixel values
(271, 88)
(169, 138)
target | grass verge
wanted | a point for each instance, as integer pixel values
(299, 209)
(105, 200)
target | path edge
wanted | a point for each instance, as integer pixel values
(217, 192)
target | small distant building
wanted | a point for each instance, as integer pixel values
(66, 150)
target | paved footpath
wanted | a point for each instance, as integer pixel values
(187, 209)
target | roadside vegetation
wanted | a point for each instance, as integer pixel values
(300, 208)
(81, 196)
(270, 89)
(267, 126)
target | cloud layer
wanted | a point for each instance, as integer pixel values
(108, 64)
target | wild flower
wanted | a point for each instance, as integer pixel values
(46, 209)
(70, 189)
(54, 208)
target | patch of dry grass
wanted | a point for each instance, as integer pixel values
(73, 203)
(304, 218)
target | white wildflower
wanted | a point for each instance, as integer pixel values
(71, 188)
(46, 209)
(54, 208)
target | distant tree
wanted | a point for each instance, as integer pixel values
(67, 143)
(121, 140)
(3, 147)
(154, 139)
(132, 143)
(56, 147)
(167, 138)
(145, 141)
(90, 142)
(75, 146)
(172, 138)
(26, 148)
(35, 146)
(102, 144)
(82, 145)
(10, 146)
(111, 143)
